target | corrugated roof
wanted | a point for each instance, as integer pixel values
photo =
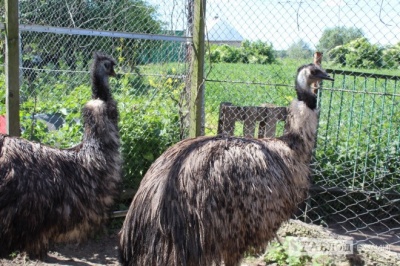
(221, 30)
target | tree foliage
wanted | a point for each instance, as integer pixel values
(257, 52)
(391, 56)
(108, 15)
(300, 50)
(358, 53)
(336, 36)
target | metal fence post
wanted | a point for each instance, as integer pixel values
(196, 103)
(12, 67)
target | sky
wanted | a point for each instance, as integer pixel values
(283, 22)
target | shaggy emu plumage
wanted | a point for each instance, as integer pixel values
(49, 194)
(209, 199)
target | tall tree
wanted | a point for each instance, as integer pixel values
(299, 50)
(337, 36)
(110, 15)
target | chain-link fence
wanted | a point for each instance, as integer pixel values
(253, 49)
(57, 41)
(356, 175)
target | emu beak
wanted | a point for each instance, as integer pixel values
(322, 75)
(113, 74)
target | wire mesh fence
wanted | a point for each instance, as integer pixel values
(57, 41)
(253, 49)
(356, 188)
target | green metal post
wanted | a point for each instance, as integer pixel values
(12, 67)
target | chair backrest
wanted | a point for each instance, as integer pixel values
(267, 117)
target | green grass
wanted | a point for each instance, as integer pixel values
(358, 133)
(359, 127)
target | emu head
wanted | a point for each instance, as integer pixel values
(103, 65)
(102, 69)
(306, 76)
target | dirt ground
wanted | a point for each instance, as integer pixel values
(103, 250)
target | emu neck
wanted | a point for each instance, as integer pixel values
(304, 92)
(100, 87)
(301, 128)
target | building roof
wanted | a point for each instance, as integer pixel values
(220, 30)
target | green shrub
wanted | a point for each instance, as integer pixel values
(260, 52)
(250, 52)
(280, 254)
(149, 124)
(358, 53)
(229, 54)
(391, 56)
(338, 55)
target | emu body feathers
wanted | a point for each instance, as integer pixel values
(209, 199)
(49, 194)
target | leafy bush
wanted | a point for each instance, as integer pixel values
(338, 55)
(358, 53)
(280, 255)
(391, 56)
(149, 124)
(260, 52)
(214, 53)
(250, 52)
(229, 54)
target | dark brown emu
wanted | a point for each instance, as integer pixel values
(49, 194)
(210, 199)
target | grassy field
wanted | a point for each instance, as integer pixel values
(358, 135)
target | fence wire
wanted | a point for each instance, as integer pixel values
(254, 48)
(57, 40)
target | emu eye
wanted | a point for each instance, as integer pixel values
(107, 65)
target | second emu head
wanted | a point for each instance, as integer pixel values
(102, 68)
(103, 64)
(306, 76)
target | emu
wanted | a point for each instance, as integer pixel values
(210, 199)
(59, 195)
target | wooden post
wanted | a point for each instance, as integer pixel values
(318, 58)
(317, 61)
(196, 102)
(12, 67)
